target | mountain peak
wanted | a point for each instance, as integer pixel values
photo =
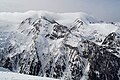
(71, 46)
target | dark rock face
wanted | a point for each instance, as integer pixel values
(66, 61)
(8, 64)
(76, 64)
(103, 65)
(109, 39)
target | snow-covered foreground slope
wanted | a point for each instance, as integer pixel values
(7, 75)
(71, 46)
(17, 76)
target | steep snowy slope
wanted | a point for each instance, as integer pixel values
(71, 46)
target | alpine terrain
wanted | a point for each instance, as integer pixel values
(68, 46)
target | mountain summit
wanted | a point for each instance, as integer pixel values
(69, 46)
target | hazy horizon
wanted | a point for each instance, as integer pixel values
(107, 10)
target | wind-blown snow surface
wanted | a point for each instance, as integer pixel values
(17, 76)
(71, 46)
(7, 75)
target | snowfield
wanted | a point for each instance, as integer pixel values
(7, 75)
(17, 76)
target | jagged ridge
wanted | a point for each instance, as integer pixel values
(46, 47)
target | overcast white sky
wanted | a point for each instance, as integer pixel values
(108, 10)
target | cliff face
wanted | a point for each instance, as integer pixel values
(82, 50)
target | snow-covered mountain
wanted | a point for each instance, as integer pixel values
(69, 46)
